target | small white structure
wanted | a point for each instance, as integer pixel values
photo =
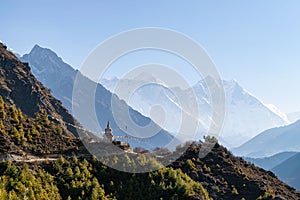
(108, 136)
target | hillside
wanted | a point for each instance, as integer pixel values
(217, 176)
(81, 179)
(228, 177)
(19, 87)
(288, 171)
(272, 141)
(23, 136)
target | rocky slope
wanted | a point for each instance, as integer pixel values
(18, 86)
(228, 177)
(24, 136)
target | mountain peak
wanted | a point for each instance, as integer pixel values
(36, 46)
(44, 59)
(25, 91)
(232, 83)
(38, 50)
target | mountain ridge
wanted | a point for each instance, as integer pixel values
(52, 71)
(245, 117)
(272, 141)
(288, 171)
(20, 87)
(269, 163)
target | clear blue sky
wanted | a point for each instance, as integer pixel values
(255, 42)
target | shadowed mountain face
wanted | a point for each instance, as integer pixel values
(288, 171)
(18, 86)
(48, 68)
(60, 77)
(271, 142)
(285, 165)
(268, 163)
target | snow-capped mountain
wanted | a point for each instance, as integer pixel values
(245, 117)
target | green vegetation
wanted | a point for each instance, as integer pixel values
(35, 136)
(190, 164)
(210, 139)
(17, 124)
(234, 191)
(206, 169)
(267, 195)
(80, 179)
(2, 111)
(76, 180)
(84, 177)
(22, 183)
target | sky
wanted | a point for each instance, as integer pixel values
(254, 42)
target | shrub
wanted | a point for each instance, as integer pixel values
(1, 125)
(267, 195)
(58, 130)
(14, 116)
(206, 169)
(2, 114)
(210, 139)
(234, 191)
(34, 132)
(190, 164)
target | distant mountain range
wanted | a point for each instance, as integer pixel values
(269, 163)
(272, 141)
(285, 165)
(246, 116)
(288, 171)
(59, 77)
